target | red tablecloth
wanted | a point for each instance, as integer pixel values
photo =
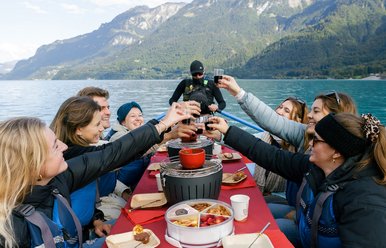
(258, 217)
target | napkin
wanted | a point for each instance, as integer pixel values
(247, 183)
(144, 216)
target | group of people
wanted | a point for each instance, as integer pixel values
(336, 174)
(60, 181)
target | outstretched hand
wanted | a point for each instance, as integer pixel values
(229, 83)
(183, 131)
(219, 124)
(177, 112)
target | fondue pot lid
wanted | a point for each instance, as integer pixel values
(202, 141)
(172, 167)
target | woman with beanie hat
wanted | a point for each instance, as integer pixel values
(342, 198)
(129, 116)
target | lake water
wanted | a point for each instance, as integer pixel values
(43, 98)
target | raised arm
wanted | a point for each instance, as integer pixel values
(290, 131)
(292, 166)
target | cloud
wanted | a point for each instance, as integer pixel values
(104, 3)
(130, 4)
(12, 51)
(72, 8)
(35, 8)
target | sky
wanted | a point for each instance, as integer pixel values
(28, 24)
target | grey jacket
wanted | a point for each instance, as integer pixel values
(291, 131)
(120, 131)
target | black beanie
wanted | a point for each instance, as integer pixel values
(196, 67)
(338, 137)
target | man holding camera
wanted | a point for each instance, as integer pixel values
(200, 90)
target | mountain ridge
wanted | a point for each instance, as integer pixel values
(248, 38)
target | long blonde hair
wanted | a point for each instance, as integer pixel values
(299, 114)
(23, 149)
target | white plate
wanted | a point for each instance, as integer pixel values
(227, 178)
(148, 200)
(235, 156)
(244, 240)
(154, 166)
(126, 240)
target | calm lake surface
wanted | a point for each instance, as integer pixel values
(43, 98)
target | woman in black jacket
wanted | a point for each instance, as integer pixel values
(342, 200)
(33, 171)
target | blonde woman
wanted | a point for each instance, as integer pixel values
(34, 173)
(292, 108)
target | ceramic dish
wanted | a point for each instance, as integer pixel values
(228, 178)
(244, 240)
(154, 166)
(150, 200)
(227, 156)
(199, 223)
(126, 240)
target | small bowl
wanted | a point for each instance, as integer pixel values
(192, 158)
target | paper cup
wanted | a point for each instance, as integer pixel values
(159, 183)
(240, 205)
(216, 149)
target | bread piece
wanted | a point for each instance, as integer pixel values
(238, 176)
(143, 237)
(228, 155)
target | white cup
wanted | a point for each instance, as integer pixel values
(216, 149)
(240, 205)
(159, 182)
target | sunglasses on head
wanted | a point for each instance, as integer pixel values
(333, 94)
(295, 98)
(300, 101)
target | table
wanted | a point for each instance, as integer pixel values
(258, 216)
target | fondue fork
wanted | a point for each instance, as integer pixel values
(260, 233)
(139, 207)
(231, 175)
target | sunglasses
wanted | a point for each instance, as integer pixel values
(315, 141)
(197, 74)
(334, 94)
(300, 101)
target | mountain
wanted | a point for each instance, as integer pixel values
(343, 39)
(6, 67)
(127, 29)
(248, 38)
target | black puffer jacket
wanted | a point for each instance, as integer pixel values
(360, 207)
(84, 169)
